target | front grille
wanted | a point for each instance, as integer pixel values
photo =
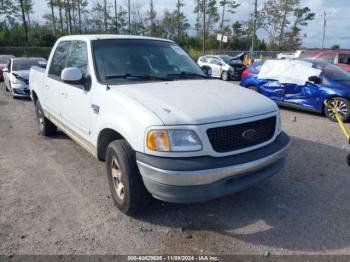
(239, 68)
(230, 138)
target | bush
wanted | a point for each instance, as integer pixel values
(26, 51)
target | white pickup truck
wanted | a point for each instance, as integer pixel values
(163, 127)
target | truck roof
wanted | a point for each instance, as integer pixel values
(109, 36)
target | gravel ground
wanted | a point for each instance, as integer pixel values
(54, 199)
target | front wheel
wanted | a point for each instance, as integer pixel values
(343, 107)
(124, 179)
(225, 76)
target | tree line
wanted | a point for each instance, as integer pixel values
(282, 20)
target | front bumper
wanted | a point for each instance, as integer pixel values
(20, 90)
(188, 180)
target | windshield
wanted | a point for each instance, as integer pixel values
(227, 59)
(26, 64)
(4, 60)
(333, 72)
(120, 60)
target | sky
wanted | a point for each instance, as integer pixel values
(337, 13)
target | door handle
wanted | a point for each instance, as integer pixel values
(65, 95)
(47, 86)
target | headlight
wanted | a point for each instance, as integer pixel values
(16, 81)
(173, 140)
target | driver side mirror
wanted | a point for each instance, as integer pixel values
(207, 70)
(315, 79)
(72, 75)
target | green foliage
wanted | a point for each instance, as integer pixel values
(283, 20)
(335, 47)
(26, 51)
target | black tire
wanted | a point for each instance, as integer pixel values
(343, 106)
(253, 88)
(225, 76)
(6, 88)
(124, 179)
(348, 160)
(46, 127)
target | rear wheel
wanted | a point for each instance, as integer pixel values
(343, 107)
(6, 88)
(124, 179)
(46, 127)
(225, 76)
(253, 88)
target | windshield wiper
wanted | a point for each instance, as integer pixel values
(187, 74)
(138, 77)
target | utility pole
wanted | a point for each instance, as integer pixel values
(222, 25)
(129, 17)
(324, 27)
(203, 45)
(255, 17)
(116, 16)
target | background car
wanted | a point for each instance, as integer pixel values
(340, 58)
(252, 69)
(289, 55)
(16, 74)
(332, 83)
(3, 61)
(223, 66)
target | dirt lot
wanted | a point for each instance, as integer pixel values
(54, 199)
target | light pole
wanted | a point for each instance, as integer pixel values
(129, 17)
(203, 44)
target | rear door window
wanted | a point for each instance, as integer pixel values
(344, 59)
(328, 57)
(59, 59)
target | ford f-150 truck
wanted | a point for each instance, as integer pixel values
(163, 127)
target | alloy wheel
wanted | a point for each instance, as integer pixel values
(117, 178)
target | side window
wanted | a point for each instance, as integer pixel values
(215, 61)
(328, 58)
(59, 59)
(78, 57)
(344, 59)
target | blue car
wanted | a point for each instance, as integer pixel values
(332, 83)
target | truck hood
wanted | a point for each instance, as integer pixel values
(198, 101)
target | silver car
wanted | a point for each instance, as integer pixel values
(223, 66)
(16, 74)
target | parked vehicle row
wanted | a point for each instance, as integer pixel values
(303, 84)
(163, 127)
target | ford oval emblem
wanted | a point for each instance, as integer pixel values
(249, 134)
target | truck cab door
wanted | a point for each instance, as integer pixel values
(76, 97)
(53, 83)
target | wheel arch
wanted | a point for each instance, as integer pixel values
(34, 97)
(105, 137)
